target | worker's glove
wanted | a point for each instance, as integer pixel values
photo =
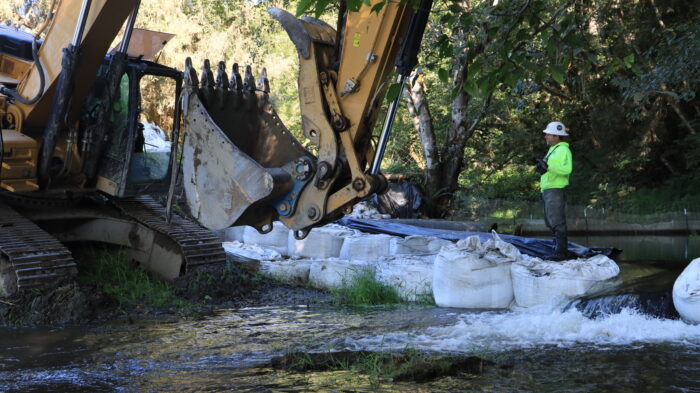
(541, 166)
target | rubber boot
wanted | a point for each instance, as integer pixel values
(561, 251)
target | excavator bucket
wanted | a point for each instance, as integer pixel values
(237, 154)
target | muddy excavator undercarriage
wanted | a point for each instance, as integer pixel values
(76, 167)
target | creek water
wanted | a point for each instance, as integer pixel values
(542, 349)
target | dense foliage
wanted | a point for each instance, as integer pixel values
(623, 75)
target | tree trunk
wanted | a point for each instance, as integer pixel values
(443, 166)
(414, 94)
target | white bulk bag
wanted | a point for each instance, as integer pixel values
(335, 273)
(410, 275)
(417, 245)
(234, 233)
(537, 282)
(686, 293)
(470, 274)
(275, 239)
(251, 251)
(321, 242)
(366, 247)
(293, 272)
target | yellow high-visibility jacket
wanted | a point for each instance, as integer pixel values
(559, 167)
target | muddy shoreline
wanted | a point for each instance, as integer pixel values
(72, 302)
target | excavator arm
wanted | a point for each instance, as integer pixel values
(243, 167)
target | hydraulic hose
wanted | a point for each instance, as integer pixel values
(42, 80)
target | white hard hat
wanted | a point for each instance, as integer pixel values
(556, 128)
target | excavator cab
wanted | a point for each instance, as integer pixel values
(137, 155)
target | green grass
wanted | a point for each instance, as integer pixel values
(126, 281)
(424, 299)
(379, 367)
(363, 289)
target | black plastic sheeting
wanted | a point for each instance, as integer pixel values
(539, 248)
(401, 200)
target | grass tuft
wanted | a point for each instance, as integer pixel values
(125, 280)
(407, 365)
(363, 289)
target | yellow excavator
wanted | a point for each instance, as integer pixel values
(77, 166)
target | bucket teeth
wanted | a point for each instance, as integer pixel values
(249, 81)
(207, 78)
(236, 81)
(221, 77)
(190, 75)
(263, 82)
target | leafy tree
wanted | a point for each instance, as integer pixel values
(486, 50)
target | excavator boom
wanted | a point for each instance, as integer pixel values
(266, 173)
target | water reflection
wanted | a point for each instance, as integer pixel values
(680, 249)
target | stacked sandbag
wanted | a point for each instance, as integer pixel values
(335, 273)
(364, 211)
(155, 139)
(537, 282)
(410, 275)
(321, 242)
(417, 245)
(232, 234)
(276, 239)
(292, 272)
(366, 247)
(686, 293)
(471, 274)
(252, 251)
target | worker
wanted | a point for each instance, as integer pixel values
(555, 169)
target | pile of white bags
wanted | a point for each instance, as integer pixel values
(276, 239)
(365, 247)
(252, 251)
(468, 274)
(536, 281)
(231, 234)
(294, 272)
(364, 211)
(335, 273)
(155, 138)
(471, 274)
(322, 242)
(686, 293)
(410, 275)
(417, 245)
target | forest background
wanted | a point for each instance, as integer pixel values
(622, 75)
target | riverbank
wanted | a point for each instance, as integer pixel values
(94, 298)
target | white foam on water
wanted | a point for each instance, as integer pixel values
(538, 326)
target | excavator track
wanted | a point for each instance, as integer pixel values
(199, 246)
(36, 257)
